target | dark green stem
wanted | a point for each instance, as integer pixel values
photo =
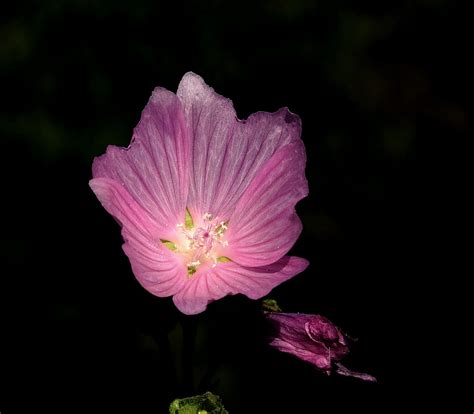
(189, 325)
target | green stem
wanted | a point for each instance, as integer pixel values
(189, 325)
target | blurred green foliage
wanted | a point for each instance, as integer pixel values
(77, 73)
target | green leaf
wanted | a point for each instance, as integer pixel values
(270, 305)
(207, 403)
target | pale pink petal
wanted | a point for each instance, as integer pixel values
(121, 205)
(154, 168)
(156, 268)
(264, 225)
(229, 278)
(227, 153)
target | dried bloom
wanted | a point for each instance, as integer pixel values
(206, 201)
(312, 338)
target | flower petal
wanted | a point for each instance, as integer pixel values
(229, 278)
(156, 268)
(290, 336)
(227, 153)
(264, 225)
(319, 358)
(154, 168)
(342, 370)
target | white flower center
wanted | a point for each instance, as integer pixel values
(200, 244)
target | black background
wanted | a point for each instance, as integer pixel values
(374, 83)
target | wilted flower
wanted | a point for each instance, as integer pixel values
(206, 202)
(312, 338)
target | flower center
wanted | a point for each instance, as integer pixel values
(200, 244)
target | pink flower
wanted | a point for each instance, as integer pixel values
(206, 201)
(312, 338)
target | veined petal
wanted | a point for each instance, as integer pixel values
(233, 183)
(304, 351)
(156, 268)
(227, 153)
(264, 225)
(120, 204)
(154, 168)
(291, 337)
(256, 282)
(229, 278)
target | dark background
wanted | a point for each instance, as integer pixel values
(374, 82)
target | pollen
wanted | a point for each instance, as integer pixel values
(199, 242)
